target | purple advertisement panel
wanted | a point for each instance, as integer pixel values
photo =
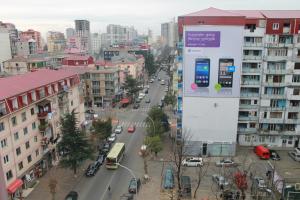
(202, 38)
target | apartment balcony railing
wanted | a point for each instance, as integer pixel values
(253, 44)
(250, 82)
(293, 97)
(252, 57)
(254, 32)
(249, 94)
(273, 108)
(292, 121)
(274, 84)
(276, 58)
(272, 120)
(247, 106)
(248, 118)
(250, 70)
(293, 83)
(275, 71)
(293, 108)
(273, 96)
(247, 130)
(274, 45)
(43, 127)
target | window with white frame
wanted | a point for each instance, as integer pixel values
(2, 126)
(24, 100)
(49, 89)
(3, 143)
(275, 26)
(261, 138)
(9, 175)
(42, 92)
(15, 103)
(2, 109)
(247, 138)
(16, 135)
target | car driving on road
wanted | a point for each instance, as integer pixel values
(134, 185)
(92, 169)
(131, 129)
(112, 137)
(118, 129)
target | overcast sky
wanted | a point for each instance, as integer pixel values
(45, 15)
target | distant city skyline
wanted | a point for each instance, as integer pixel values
(57, 15)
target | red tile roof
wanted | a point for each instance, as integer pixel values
(214, 12)
(253, 14)
(77, 57)
(103, 63)
(14, 85)
(281, 14)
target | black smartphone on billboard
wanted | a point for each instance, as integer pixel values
(202, 70)
(225, 77)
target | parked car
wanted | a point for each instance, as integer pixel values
(162, 82)
(169, 179)
(101, 158)
(106, 147)
(126, 197)
(219, 180)
(159, 79)
(92, 169)
(151, 80)
(72, 195)
(262, 152)
(131, 129)
(136, 106)
(134, 185)
(138, 100)
(227, 162)
(274, 155)
(260, 183)
(146, 90)
(295, 154)
(118, 129)
(147, 100)
(112, 137)
(192, 162)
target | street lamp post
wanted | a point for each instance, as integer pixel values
(131, 172)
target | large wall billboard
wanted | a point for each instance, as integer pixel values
(212, 61)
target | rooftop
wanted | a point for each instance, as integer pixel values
(214, 12)
(281, 14)
(77, 57)
(14, 85)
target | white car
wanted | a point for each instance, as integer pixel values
(192, 162)
(260, 182)
(112, 137)
(141, 96)
(118, 129)
(220, 180)
(162, 82)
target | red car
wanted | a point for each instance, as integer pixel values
(131, 129)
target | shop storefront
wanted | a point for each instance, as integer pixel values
(15, 189)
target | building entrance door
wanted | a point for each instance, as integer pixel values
(204, 149)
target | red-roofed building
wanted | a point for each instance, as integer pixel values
(270, 73)
(78, 60)
(30, 109)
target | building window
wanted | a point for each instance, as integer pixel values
(4, 143)
(32, 111)
(5, 159)
(37, 153)
(33, 125)
(35, 138)
(247, 138)
(24, 100)
(16, 135)
(25, 130)
(29, 158)
(261, 138)
(1, 126)
(33, 96)
(14, 121)
(27, 145)
(18, 151)
(275, 26)
(72, 103)
(23, 115)
(15, 103)
(272, 139)
(2, 109)
(9, 175)
(20, 165)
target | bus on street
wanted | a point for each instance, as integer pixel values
(115, 156)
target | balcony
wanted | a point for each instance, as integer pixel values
(250, 70)
(293, 84)
(257, 32)
(293, 97)
(250, 83)
(3, 112)
(293, 108)
(42, 115)
(247, 130)
(248, 106)
(252, 44)
(273, 96)
(277, 58)
(275, 71)
(286, 30)
(248, 118)
(278, 45)
(274, 84)
(292, 121)
(252, 57)
(272, 120)
(43, 127)
(249, 94)
(273, 108)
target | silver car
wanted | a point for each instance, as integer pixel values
(226, 163)
(220, 180)
(118, 129)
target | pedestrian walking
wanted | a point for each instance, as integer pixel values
(109, 188)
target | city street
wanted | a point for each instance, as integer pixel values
(96, 188)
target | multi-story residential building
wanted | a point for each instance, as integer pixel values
(82, 28)
(26, 46)
(30, 109)
(70, 32)
(96, 43)
(5, 47)
(56, 42)
(32, 34)
(77, 60)
(169, 34)
(13, 36)
(117, 34)
(269, 111)
(21, 65)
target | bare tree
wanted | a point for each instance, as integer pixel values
(201, 171)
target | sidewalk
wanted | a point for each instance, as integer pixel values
(65, 183)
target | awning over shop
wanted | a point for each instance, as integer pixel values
(12, 188)
(125, 100)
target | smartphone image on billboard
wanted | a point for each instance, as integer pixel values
(225, 77)
(202, 69)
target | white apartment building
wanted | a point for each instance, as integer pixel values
(5, 48)
(96, 43)
(30, 109)
(117, 34)
(169, 34)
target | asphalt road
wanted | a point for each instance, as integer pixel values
(96, 188)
